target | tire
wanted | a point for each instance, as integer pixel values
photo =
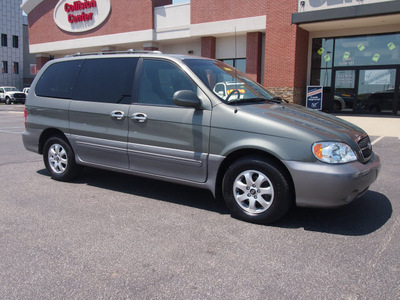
(256, 190)
(59, 159)
(337, 107)
(8, 101)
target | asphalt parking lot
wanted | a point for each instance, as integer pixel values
(113, 236)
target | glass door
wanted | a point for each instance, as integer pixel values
(345, 90)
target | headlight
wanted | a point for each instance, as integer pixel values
(333, 152)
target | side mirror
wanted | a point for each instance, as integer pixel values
(187, 98)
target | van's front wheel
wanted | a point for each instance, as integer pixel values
(59, 159)
(256, 191)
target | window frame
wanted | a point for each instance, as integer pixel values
(15, 67)
(4, 40)
(15, 41)
(4, 67)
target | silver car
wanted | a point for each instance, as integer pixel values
(164, 117)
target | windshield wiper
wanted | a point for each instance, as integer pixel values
(243, 100)
(277, 100)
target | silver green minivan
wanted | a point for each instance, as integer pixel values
(198, 122)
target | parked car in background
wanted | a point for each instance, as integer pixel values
(10, 94)
(377, 102)
(25, 90)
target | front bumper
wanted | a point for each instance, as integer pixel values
(325, 185)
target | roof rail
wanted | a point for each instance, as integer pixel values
(129, 51)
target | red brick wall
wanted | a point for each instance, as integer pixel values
(203, 11)
(208, 46)
(125, 16)
(40, 62)
(285, 51)
(280, 44)
(253, 55)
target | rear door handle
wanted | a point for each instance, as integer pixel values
(117, 115)
(139, 117)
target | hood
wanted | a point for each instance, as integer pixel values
(298, 122)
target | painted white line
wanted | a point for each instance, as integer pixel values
(7, 131)
(377, 140)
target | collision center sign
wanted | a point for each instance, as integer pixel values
(79, 16)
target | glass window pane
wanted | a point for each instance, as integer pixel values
(240, 64)
(376, 90)
(107, 80)
(160, 80)
(58, 79)
(321, 77)
(367, 50)
(322, 50)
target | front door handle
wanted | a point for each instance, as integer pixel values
(117, 115)
(139, 117)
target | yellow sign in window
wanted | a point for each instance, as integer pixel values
(391, 46)
(376, 57)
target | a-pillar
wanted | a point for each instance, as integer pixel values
(208, 46)
(254, 55)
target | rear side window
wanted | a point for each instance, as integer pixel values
(58, 79)
(108, 80)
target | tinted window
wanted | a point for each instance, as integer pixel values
(58, 79)
(107, 80)
(160, 80)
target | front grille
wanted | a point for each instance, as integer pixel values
(19, 96)
(365, 147)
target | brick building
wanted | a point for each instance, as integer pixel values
(286, 45)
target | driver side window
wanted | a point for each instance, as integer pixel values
(160, 80)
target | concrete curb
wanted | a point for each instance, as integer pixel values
(376, 125)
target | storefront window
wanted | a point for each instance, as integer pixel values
(367, 50)
(359, 74)
(322, 51)
(238, 63)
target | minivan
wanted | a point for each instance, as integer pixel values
(165, 117)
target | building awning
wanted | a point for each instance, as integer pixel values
(342, 13)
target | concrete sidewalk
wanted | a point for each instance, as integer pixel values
(376, 125)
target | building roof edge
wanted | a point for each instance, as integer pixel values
(29, 5)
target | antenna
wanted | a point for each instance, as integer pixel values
(236, 109)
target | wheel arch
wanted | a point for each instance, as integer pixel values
(48, 133)
(242, 153)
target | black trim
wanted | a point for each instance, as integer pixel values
(348, 12)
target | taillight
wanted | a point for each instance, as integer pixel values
(25, 115)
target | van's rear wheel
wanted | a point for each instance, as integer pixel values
(59, 159)
(256, 191)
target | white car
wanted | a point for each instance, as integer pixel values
(10, 94)
(25, 91)
(230, 90)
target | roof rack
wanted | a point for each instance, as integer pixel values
(129, 51)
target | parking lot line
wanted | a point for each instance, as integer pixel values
(10, 130)
(377, 140)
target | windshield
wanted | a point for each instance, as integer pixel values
(11, 89)
(229, 84)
